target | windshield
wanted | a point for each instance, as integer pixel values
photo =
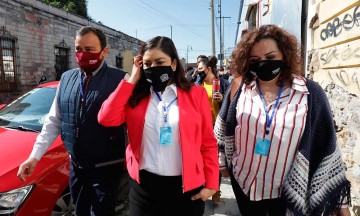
(28, 111)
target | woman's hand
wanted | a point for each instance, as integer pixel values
(136, 72)
(194, 74)
(218, 96)
(343, 212)
(204, 194)
(225, 173)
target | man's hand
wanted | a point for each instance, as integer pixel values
(204, 194)
(27, 168)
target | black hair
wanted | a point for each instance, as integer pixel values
(211, 62)
(166, 45)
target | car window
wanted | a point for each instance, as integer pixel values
(29, 110)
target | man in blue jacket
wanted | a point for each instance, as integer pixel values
(96, 152)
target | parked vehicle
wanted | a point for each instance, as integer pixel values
(46, 191)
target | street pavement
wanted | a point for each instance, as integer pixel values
(227, 205)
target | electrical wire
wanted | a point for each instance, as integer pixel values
(158, 12)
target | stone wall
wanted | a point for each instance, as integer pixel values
(345, 107)
(334, 62)
(38, 27)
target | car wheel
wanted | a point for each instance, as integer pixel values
(64, 205)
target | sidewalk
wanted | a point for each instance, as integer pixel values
(227, 206)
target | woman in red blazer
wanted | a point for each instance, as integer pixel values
(172, 155)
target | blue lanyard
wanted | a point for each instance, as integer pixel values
(269, 119)
(82, 93)
(165, 108)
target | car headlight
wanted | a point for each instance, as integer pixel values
(10, 201)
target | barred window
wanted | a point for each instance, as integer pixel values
(61, 61)
(61, 58)
(7, 67)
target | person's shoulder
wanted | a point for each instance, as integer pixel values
(223, 80)
(196, 89)
(113, 71)
(313, 86)
(70, 73)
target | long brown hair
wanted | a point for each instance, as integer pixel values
(287, 44)
(166, 45)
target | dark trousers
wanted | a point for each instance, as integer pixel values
(268, 207)
(162, 196)
(94, 190)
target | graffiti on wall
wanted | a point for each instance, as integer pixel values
(347, 78)
(338, 25)
(340, 56)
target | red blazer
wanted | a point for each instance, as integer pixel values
(198, 143)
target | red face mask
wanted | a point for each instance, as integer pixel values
(88, 61)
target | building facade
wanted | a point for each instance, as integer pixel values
(37, 40)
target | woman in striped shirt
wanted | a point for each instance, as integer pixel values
(277, 133)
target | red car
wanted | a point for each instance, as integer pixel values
(46, 191)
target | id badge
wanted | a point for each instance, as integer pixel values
(165, 136)
(262, 147)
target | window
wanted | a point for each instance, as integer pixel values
(119, 61)
(61, 59)
(7, 60)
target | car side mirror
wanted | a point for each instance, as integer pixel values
(42, 79)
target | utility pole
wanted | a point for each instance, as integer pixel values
(187, 55)
(171, 32)
(221, 46)
(221, 55)
(212, 27)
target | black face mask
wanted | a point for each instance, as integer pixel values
(266, 70)
(159, 77)
(202, 76)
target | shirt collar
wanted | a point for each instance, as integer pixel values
(171, 87)
(298, 84)
(97, 70)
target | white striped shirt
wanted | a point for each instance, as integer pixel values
(261, 177)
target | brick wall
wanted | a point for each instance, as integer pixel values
(38, 27)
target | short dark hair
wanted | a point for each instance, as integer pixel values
(87, 29)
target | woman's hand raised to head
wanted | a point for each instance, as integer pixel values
(136, 72)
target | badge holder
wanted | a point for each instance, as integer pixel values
(165, 133)
(262, 146)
